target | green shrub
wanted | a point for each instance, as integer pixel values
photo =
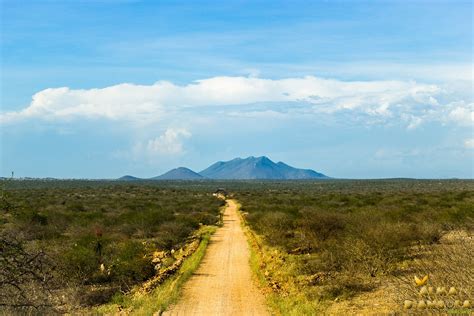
(130, 265)
(80, 263)
(171, 234)
(277, 227)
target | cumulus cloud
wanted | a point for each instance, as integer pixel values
(462, 113)
(409, 101)
(169, 143)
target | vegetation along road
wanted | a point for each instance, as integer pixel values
(223, 284)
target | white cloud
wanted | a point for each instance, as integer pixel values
(413, 121)
(383, 100)
(469, 143)
(169, 143)
(462, 113)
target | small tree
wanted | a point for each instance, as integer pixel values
(25, 277)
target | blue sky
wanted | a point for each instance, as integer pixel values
(353, 89)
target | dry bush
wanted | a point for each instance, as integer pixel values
(26, 278)
(315, 227)
(277, 226)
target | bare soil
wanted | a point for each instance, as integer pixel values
(223, 283)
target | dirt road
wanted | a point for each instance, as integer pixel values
(223, 284)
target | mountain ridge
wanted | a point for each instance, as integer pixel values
(257, 168)
(239, 169)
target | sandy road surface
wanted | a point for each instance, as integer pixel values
(223, 285)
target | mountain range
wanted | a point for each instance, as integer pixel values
(239, 169)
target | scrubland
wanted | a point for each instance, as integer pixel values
(68, 245)
(355, 246)
(331, 246)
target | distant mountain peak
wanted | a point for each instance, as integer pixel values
(128, 178)
(260, 167)
(255, 158)
(182, 169)
(180, 173)
(263, 159)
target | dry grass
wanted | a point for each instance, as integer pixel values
(449, 264)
